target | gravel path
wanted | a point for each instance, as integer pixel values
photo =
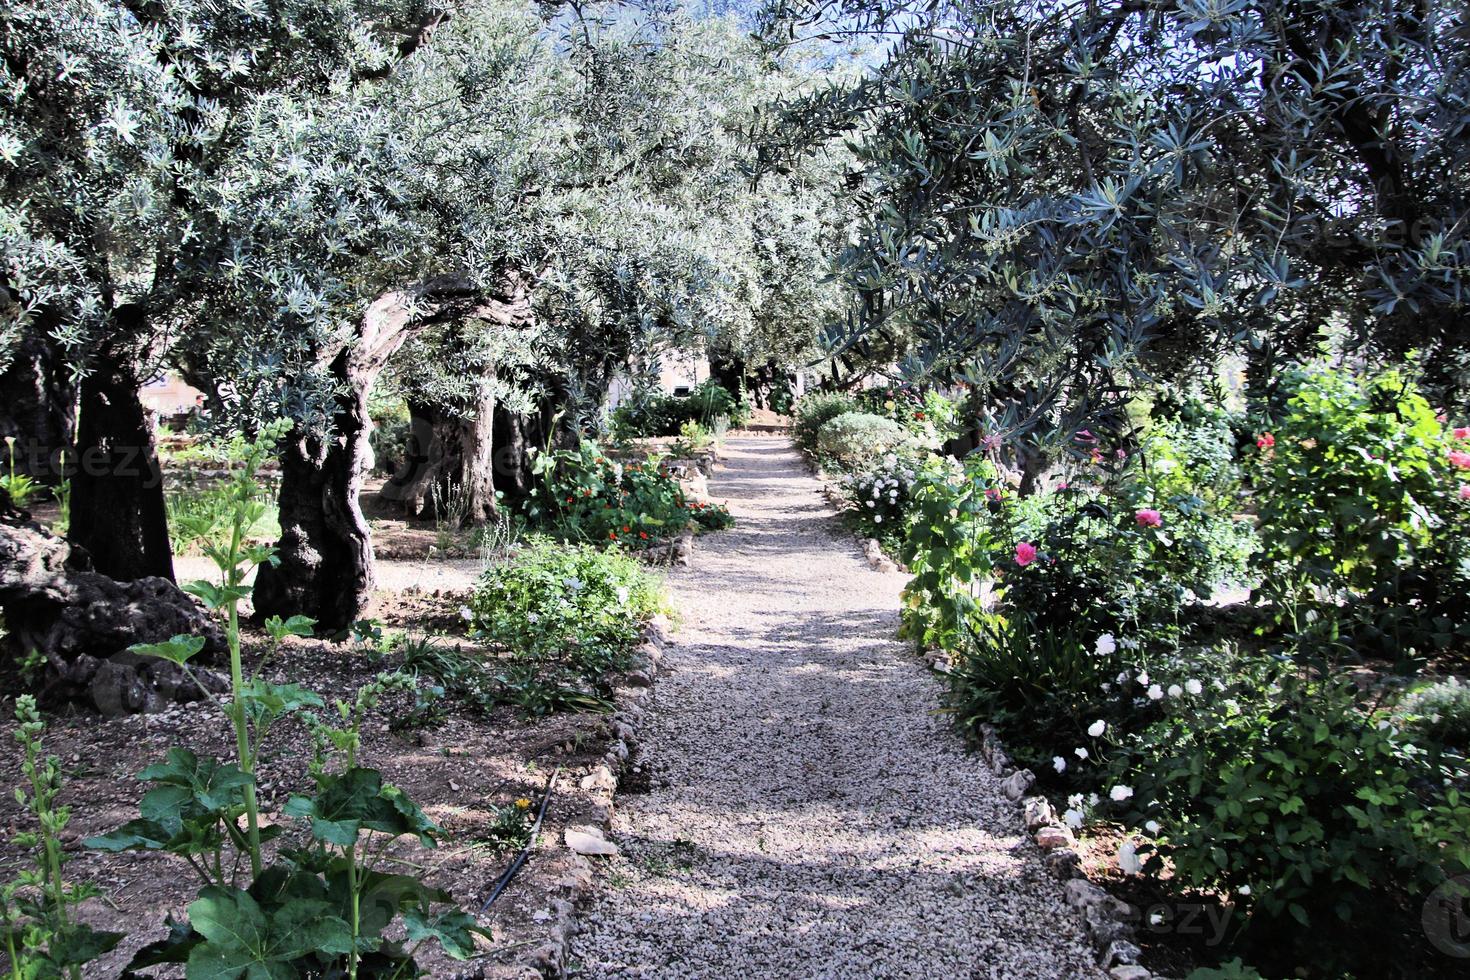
(809, 816)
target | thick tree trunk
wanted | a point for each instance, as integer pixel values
(38, 407)
(117, 507)
(515, 437)
(325, 556)
(450, 472)
(82, 623)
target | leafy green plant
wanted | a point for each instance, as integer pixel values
(928, 416)
(1365, 533)
(584, 495)
(880, 498)
(654, 413)
(21, 488)
(815, 411)
(950, 549)
(1296, 796)
(510, 830)
(570, 610)
(41, 934)
(856, 440)
(317, 909)
(693, 438)
(1440, 711)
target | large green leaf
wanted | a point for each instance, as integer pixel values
(454, 930)
(357, 800)
(243, 939)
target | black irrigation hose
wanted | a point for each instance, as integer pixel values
(520, 860)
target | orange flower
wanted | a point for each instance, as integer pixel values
(626, 529)
(613, 535)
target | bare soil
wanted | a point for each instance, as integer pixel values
(459, 770)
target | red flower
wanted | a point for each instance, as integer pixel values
(918, 415)
(626, 529)
(1025, 553)
(1148, 518)
(1265, 440)
(643, 535)
(613, 535)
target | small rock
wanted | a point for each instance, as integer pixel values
(1081, 893)
(1062, 862)
(1037, 812)
(1129, 971)
(600, 778)
(1051, 838)
(589, 840)
(1017, 783)
(1121, 952)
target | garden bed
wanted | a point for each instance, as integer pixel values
(464, 768)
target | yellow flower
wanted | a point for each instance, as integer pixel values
(523, 804)
(889, 404)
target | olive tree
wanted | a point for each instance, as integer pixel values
(1061, 201)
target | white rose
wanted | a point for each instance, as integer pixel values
(1097, 728)
(1193, 686)
(1058, 763)
(1120, 793)
(1155, 692)
(1106, 645)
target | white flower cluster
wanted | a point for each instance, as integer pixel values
(882, 491)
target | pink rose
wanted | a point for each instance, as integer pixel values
(1265, 440)
(1465, 491)
(1025, 553)
(993, 493)
(1149, 518)
(1462, 432)
(1460, 459)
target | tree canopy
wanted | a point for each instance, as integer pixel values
(1060, 201)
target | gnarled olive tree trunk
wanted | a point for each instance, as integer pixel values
(117, 507)
(450, 472)
(325, 555)
(38, 406)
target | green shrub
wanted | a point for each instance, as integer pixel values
(1295, 797)
(880, 498)
(1365, 535)
(928, 416)
(586, 496)
(856, 440)
(1441, 712)
(815, 411)
(654, 413)
(949, 549)
(570, 610)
